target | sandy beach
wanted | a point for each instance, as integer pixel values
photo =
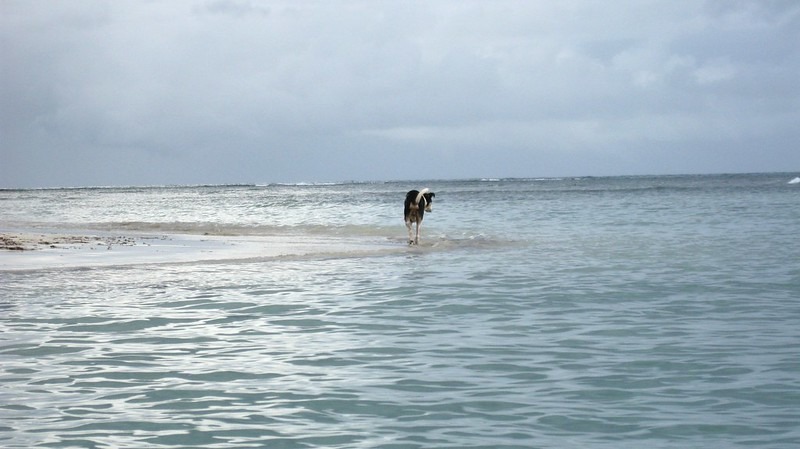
(35, 250)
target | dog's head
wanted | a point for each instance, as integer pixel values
(428, 198)
(429, 201)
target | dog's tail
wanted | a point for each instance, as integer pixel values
(421, 193)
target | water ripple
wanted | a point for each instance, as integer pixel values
(605, 330)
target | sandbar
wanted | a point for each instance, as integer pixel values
(20, 251)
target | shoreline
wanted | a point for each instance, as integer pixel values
(26, 251)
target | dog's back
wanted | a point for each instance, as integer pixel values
(410, 204)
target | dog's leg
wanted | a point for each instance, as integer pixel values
(416, 239)
(410, 232)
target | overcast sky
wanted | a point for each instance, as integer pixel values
(237, 91)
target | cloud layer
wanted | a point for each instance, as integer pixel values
(128, 92)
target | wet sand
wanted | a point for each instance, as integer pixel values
(33, 250)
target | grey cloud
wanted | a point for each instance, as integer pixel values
(239, 91)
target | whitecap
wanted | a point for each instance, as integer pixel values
(795, 181)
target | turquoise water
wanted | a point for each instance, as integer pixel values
(593, 312)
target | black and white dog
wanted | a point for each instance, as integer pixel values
(417, 203)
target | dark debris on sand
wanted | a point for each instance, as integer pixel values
(20, 242)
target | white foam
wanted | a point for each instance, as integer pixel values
(795, 181)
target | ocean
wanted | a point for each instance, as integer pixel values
(594, 312)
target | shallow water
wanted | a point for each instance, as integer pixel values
(600, 312)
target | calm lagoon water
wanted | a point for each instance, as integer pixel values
(654, 312)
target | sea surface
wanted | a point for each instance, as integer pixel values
(620, 312)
